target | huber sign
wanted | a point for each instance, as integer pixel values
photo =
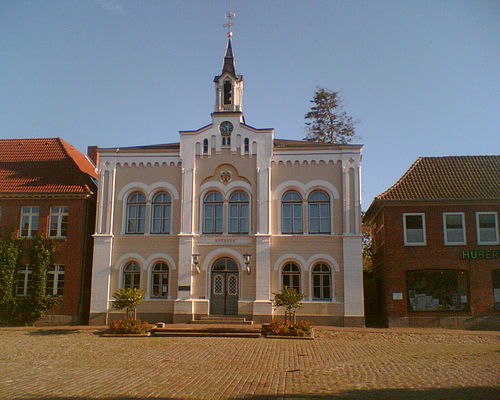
(480, 254)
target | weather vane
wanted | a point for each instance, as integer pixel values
(229, 16)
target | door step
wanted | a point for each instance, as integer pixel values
(221, 320)
(239, 332)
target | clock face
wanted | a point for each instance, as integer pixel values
(226, 128)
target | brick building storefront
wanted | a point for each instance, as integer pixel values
(49, 187)
(436, 244)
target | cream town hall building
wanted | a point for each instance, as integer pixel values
(215, 224)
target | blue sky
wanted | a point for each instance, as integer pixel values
(421, 76)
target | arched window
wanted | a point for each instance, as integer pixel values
(238, 212)
(212, 213)
(321, 282)
(319, 212)
(160, 215)
(159, 280)
(291, 276)
(132, 276)
(205, 146)
(136, 213)
(291, 213)
(247, 146)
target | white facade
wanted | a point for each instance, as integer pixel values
(261, 236)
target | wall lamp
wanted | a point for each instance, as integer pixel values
(196, 262)
(247, 258)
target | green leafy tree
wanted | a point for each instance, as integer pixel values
(366, 240)
(37, 304)
(128, 299)
(290, 300)
(328, 122)
(9, 260)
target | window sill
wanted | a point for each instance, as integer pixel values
(455, 244)
(415, 244)
(487, 243)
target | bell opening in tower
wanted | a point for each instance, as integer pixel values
(228, 91)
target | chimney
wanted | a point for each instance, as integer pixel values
(92, 154)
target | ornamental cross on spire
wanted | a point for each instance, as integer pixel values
(229, 16)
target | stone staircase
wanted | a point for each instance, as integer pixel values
(212, 326)
(221, 320)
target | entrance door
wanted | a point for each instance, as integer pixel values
(225, 287)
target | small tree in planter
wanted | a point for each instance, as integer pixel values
(290, 299)
(128, 299)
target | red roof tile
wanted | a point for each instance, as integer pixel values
(448, 178)
(39, 166)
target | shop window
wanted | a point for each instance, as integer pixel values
(414, 229)
(496, 288)
(454, 228)
(437, 290)
(487, 227)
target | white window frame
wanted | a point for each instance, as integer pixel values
(424, 243)
(446, 241)
(58, 271)
(59, 214)
(26, 271)
(31, 214)
(479, 242)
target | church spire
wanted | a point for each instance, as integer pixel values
(228, 65)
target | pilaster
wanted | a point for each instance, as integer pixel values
(353, 281)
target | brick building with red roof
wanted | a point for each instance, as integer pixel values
(49, 187)
(435, 245)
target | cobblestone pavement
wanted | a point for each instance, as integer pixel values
(339, 364)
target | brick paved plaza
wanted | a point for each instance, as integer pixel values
(339, 364)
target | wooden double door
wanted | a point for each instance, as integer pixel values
(224, 291)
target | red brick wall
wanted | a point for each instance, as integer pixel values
(396, 258)
(74, 252)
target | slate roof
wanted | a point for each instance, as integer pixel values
(44, 166)
(448, 178)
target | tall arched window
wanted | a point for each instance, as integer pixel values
(212, 213)
(132, 276)
(136, 213)
(246, 145)
(291, 276)
(238, 212)
(291, 213)
(205, 146)
(321, 282)
(319, 212)
(159, 280)
(160, 215)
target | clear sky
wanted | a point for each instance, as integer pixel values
(422, 76)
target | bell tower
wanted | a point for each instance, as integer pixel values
(229, 85)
